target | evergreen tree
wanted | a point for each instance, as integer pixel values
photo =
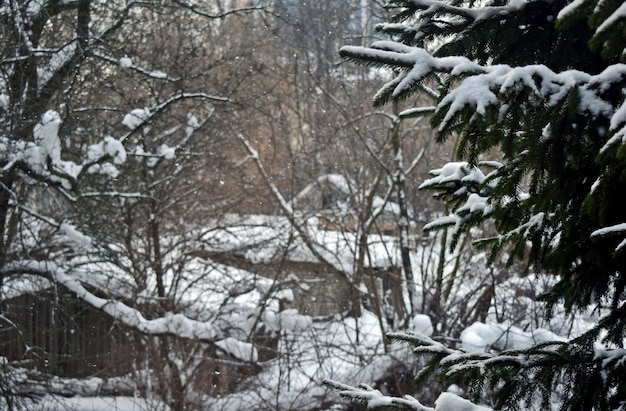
(541, 83)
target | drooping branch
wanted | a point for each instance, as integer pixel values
(172, 324)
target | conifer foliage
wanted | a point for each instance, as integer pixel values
(542, 83)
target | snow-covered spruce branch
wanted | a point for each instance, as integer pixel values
(485, 85)
(392, 54)
(553, 354)
(462, 363)
(466, 188)
(617, 230)
(417, 65)
(536, 223)
(434, 13)
(418, 111)
(458, 178)
(423, 343)
(372, 399)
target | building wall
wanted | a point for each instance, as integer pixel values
(58, 334)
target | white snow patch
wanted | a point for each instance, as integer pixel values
(80, 239)
(480, 337)
(4, 101)
(125, 62)
(238, 349)
(612, 230)
(569, 9)
(448, 401)
(271, 320)
(115, 149)
(136, 118)
(192, 125)
(167, 152)
(46, 134)
(285, 294)
(613, 19)
(158, 74)
(421, 324)
(292, 320)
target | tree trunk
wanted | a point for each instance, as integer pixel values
(403, 223)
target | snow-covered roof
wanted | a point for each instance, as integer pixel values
(265, 239)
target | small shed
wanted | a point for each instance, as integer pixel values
(269, 246)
